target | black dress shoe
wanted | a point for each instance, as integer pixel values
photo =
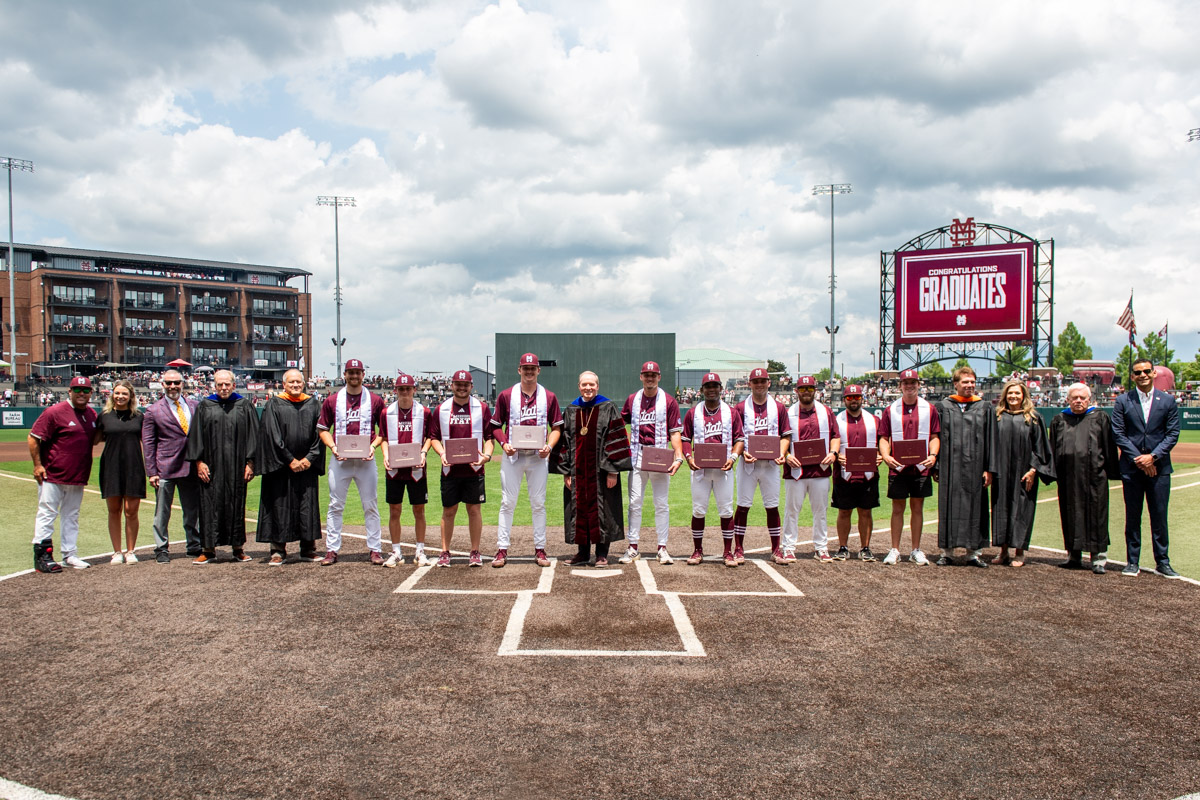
(161, 557)
(1098, 569)
(1165, 570)
(977, 562)
(1071, 564)
(945, 561)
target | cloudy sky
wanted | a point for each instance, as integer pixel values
(614, 166)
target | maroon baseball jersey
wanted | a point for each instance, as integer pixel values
(505, 416)
(644, 434)
(328, 417)
(808, 426)
(856, 436)
(404, 434)
(756, 425)
(709, 429)
(910, 423)
(460, 428)
(65, 442)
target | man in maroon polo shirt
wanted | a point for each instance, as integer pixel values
(462, 417)
(60, 445)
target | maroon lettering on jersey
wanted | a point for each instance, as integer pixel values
(328, 418)
(645, 431)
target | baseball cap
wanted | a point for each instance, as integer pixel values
(710, 377)
(405, 380)
(353, 363)
(910, 375)
(806, 380)
(462, 375)
(651, 366)
(852, 390)
(81, 381)
(757, 373)
(529, 359)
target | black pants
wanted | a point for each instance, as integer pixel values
(1156, 492)
(601, 549)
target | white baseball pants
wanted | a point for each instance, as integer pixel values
(660, 482)
(58, 501)
(762, 474)
(719, 484)
(364, 475)
(536, 470)
(817, 491)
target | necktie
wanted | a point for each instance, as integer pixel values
(182, 419)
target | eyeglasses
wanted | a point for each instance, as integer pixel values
(81, 390)
(1142, 371)
(172, 383)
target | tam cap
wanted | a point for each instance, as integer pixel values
(529, 359)
(711, 377)
(462, 376)
(405, 380)
(806, 380)
(651, 366)
(910, 375)
(81, 381)
(757, 373)
(853, 390)
(353, 363)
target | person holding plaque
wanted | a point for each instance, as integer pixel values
(405, 427)
(591, 455)
(347, 427)
(291, 460)
(856, 480)
(814, 450)
(715, 432)
(909, 444)
(460, 432)
(223, 441)
(526, 410)
(657, 449)
(766, 424)
(964, 470)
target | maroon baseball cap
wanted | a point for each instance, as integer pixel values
(711, 377)
(81, 381)
(910, 375)
(529, 360)
(852, 390)
(353, 363)
(651, 366)
(757, 373)
(806, 380)
(463, 376)
(405, 380)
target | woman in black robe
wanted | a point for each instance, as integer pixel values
(290, 459)
(1020, 454)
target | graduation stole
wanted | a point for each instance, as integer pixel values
(638, 418)
(822, 427)
(417, 434)
(476, 425)
(516, 400)
(896, 415)
(726, 425)
(343, 415)
(772, 416)
(872, 430)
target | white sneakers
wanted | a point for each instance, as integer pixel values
(918, 557)
(631, 555)
(892, 557)
(664, 557)
(117, 558)
(421, 560)
(76, 562)
(394, 560)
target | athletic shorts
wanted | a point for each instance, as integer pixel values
(848, 496)
(467, 489)
(418, 491)
(902, 486)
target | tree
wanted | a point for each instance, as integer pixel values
(1014, 359)
(777, 368)
(821, 376)
(1154, 348)
(933, 371)
(1071, 347)
(1189, 370)
(962, 362)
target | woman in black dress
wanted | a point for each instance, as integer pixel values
(122, 468)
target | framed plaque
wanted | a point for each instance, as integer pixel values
(527, 437)
(909, 451)
(810, 451)
(403, 455)
(709, 456)
(353, 446)
(763, 446)
(658, 459)
(860, 459)
(462, 451)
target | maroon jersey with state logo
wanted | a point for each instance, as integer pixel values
(505, 416)
(702, 426)
(756, 424)
(856, 436)
(65, 442)
(644, 434)
(404, 434)
(911, 424)
(808, 426)
(328, 418)
(460, 428)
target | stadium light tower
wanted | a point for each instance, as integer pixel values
(831, 189)
(9, 163)
(335, 201)
(1194, 135)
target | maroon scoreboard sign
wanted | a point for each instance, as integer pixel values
(965, 294)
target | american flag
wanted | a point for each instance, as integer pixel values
(1126, 321)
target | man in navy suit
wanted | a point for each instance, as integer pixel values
(1145, 424)
(164, 437)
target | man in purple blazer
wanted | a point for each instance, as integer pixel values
(164, 438)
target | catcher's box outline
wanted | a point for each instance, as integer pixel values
(510, 643)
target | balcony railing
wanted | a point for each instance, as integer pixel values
(289, 313)
(274, 338)
(220, 336)
(213, 308)
(64, 329)
(101, 302)
(149, 361)
(138, 332)
(148, 305)
(80, 356)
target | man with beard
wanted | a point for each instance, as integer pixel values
(223, 442)
(291, 457)
(462, 417)
(765, 416)
(910, 418)
(653, 417)
(855, 489)
(713, 422)
(593, 451)
(406, 422)
(352, 411)
(1085, 460)
(964, 470)
(164, 437)
(809, 420)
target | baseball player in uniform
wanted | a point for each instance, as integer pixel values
(351, 411)
(406, 421)
(910, 417)
(713, 422)
(810, 419)
(761, 415)
(463, 416)
(525, 404)
(653, 417)
(855, 490)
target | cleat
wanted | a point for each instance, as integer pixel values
(444, 559)
(789, 555)
(421, 560)
(664, 557)
(893, 557)
(541, 558)
(918, 557)
(866, 555)
(475, 559)
(330, 559)
(778, 557)
(740, 555)
(394, 560)
(631, 555)
(730, 559)
(276, 560)
(823, 556)
(696, 557)
(842, 553)
(377, 558)
(500, 559)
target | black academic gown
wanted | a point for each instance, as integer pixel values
(224, 435)
(1020, 445)
(288, 509)
(967, 431)
(1085, 460)
(610, 447)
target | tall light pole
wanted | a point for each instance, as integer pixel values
(831, 189)
(9, 163)
(1194, 135)
(335, 201)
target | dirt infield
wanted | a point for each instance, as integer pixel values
(232, 681)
